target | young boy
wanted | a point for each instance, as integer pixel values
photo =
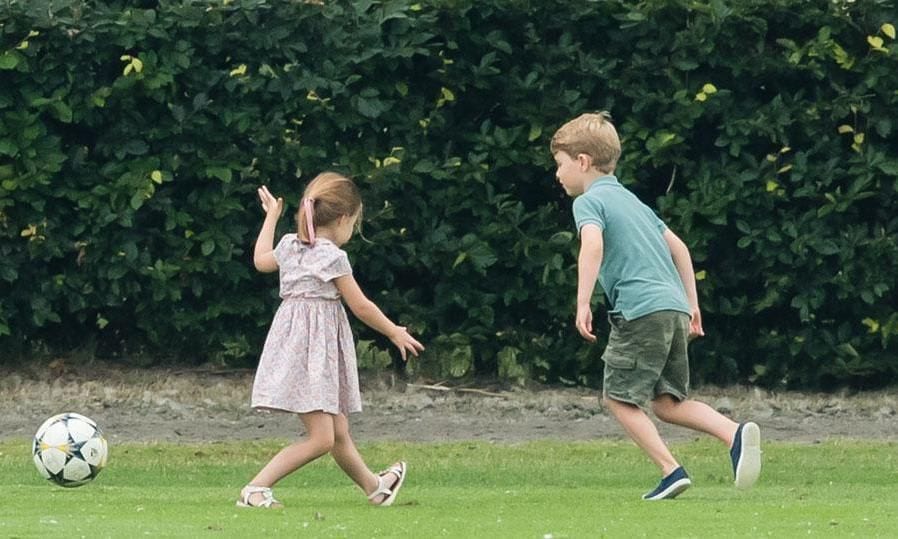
(646, 273)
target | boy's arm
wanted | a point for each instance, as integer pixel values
(588, 263)
(683, 262)
(263, 254)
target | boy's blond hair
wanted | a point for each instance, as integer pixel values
(592, 134)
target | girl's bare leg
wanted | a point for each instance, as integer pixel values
(350, 461)
(319, 441)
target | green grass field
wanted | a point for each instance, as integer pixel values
(538, 490)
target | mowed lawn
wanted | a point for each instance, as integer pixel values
(539, 489)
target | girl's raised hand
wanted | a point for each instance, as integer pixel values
(405, 342)
(270, 204)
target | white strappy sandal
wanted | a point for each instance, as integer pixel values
(398, 470)
(268, 500)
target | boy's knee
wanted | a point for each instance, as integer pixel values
(660, 410)
(663, 407)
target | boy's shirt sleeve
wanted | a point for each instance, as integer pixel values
(662, 226)
(588, 210)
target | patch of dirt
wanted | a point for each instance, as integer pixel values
(209, 405)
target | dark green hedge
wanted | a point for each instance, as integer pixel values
(132, 140)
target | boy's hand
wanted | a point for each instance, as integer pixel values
(271, 205)
(695, 325)
(584, 323)
(405, 342)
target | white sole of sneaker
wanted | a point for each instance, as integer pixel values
(749, 468)
(672, 491)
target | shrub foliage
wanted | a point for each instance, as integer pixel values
(133, 137)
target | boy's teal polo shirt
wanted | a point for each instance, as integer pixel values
(637, 273)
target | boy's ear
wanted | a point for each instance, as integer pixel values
(585, 161)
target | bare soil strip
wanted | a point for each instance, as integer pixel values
(204, 405)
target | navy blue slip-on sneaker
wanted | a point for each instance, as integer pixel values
(746, 455)
(671, 486)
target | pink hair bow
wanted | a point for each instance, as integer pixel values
(309, 207)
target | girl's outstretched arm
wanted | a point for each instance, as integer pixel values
(369, 313)
(263, 256)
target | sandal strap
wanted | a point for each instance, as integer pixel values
(381, 488)
(395, 469)
(267, 496)
(398, 470)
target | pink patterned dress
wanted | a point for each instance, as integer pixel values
(309, 362)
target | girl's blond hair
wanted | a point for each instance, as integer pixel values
(592, 134)
(330, 196)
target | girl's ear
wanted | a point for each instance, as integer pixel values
(344, 219)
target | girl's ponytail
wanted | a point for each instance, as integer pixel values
(307, 217)
(327, 198)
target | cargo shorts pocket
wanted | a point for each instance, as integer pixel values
(616, 354)
(619, 362)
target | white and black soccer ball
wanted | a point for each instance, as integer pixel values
(69, 449)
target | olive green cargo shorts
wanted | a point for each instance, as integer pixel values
(647, 357)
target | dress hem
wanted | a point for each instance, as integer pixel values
(272, 408)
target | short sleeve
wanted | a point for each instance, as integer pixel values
(335, 265)
(588, 210)
(285, 248)
(659, 224)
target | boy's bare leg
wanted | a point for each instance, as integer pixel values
(701, 417)
(695, 415)
(641, 429)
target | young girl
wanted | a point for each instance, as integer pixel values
(308, 365)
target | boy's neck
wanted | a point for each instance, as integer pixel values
(599, 174)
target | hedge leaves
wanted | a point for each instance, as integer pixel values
(133, 137)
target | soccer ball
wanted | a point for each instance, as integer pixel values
(69, 449)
